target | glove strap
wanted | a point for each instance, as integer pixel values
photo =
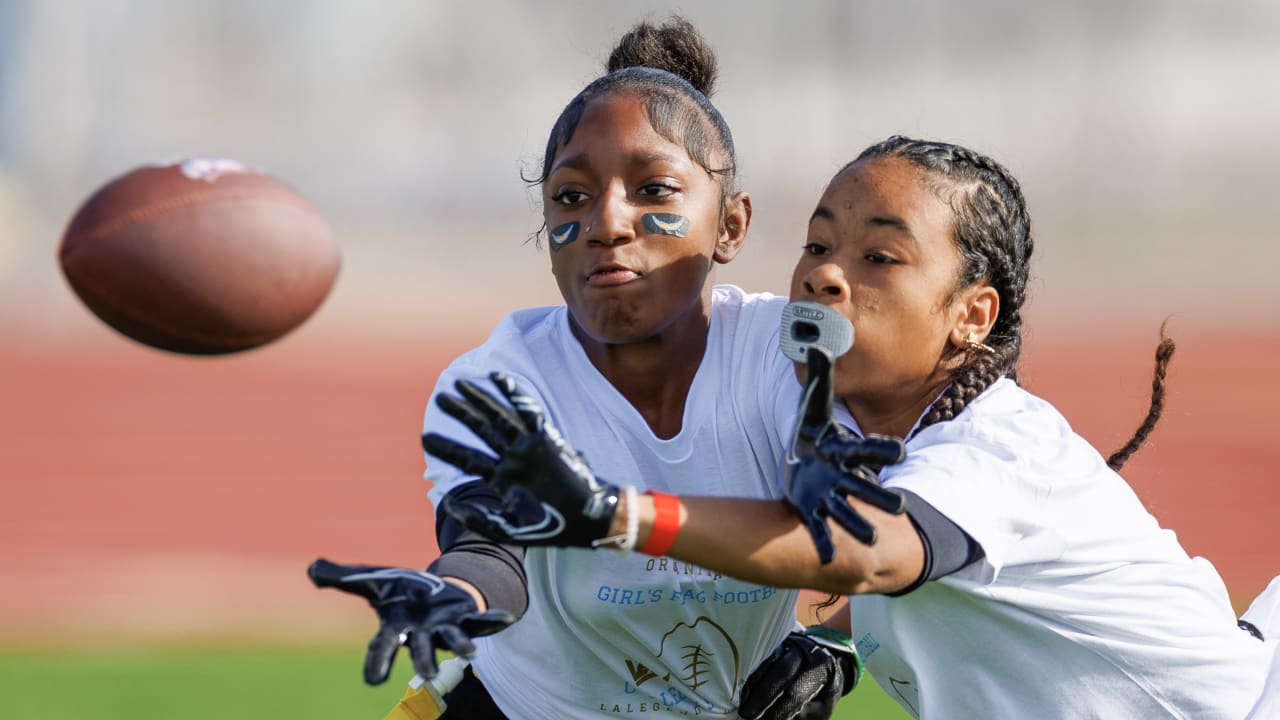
(626, 542)
(666, 524)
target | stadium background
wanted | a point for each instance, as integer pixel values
(157, 512)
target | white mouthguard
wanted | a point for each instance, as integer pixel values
(810, 323)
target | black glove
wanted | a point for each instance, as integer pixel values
(550, 495)
(803, 679)
(415, 608)
(827, 463)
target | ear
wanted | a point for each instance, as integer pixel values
(733, 231)
(976, 312)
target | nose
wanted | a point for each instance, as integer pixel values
(826, 283)
(612, 220)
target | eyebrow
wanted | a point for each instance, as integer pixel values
(889, 221)
(581, 162)
(892, 222)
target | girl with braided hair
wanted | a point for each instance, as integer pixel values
(1020, 576)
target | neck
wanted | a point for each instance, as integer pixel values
(654, 374)
(895, 413)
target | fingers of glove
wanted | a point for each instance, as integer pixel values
(849, 519)
(849, 453)
(468, 460)
(451, 636)
(461, 410)
(503, 419)
(527, 409)
(822, 703)
(799, 698)
(770, 680)
(485, 623)
(815, 407)
(869, 491)
(382, 650)
(423, 653)
(328, 574)
(816, 524)
(884, 449)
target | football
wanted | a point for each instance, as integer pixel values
(202, 257)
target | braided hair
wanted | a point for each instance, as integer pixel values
(993, 234)
(673, 69)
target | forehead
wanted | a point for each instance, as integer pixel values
(618, 122)
(889, 186)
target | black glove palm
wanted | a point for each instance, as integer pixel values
(551, 497)
(826, 464)
(415, 608)
(802, 679)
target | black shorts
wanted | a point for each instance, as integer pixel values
(470, 701)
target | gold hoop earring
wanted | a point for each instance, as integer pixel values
(974, 345)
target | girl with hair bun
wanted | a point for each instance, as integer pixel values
(999, 567)
(662, 377)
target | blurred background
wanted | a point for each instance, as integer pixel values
(159, 511)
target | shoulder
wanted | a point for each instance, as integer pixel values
(749, 315)
(519, 339)
(1003, 416)
(734, 298)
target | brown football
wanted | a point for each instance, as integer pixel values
(202, 256)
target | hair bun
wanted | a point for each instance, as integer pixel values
(675, 46)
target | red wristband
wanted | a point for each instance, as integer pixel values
(666, 523)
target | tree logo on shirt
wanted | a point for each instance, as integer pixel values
(689, 653)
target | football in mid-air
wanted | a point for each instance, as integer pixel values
(202, 256)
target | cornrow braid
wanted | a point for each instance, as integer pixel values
(1164, 352)
(992, 232)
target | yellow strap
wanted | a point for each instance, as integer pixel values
(417, 704)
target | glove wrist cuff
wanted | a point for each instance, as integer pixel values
(842, 647)
(626, 542)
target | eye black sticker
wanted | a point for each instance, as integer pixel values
(563, 235)
(666, 224)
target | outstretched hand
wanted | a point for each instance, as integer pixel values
(551, 496)
(415, 608)
(826, 464)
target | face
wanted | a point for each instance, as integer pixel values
(880, 250)
(634, 225)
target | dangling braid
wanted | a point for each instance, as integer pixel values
(993, 234)
(1164, 351)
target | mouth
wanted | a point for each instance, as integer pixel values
(611, 274)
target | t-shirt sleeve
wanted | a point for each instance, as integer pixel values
(974, 481)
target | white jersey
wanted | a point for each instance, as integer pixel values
(616, 636)
(1083, 606)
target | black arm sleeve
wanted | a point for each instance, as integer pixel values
(947, 548)
(495, 569)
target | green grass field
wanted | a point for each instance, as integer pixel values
(241, 683)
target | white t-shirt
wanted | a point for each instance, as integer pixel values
(609, 635)
(1083, 606)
